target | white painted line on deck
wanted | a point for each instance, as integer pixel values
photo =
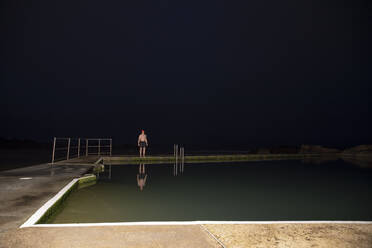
(25, 178)
(176, 223)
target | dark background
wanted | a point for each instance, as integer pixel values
(202, 73)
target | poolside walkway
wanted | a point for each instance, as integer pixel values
(323, 235)
(232, 236)
(111, 236)
(24, 190)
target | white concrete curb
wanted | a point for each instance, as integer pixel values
(41, 211)
(170, 223)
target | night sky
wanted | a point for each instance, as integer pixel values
(255, 73)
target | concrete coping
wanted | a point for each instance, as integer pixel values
(41, 211)
(197, 222)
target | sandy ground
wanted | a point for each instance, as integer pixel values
(110, 236)
(194, 236)
(294, 235)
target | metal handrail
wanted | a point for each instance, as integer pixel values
(100, 146)
(68, 147)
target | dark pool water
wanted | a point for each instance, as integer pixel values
(248, 191)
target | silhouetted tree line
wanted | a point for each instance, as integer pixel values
(22, 144)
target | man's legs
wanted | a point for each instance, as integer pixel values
(140, 151)
(144, 151)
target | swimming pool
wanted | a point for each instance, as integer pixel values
(244, 191)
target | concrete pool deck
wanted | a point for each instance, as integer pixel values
(20, 198)
(236, 236)
(24, 190)
(118, 160)
(294, 235)
(113, 236)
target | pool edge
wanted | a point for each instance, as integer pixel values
(176, 223)
(43, 210)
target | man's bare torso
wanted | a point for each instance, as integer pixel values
(142, 137)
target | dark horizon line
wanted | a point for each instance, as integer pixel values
(26, 143)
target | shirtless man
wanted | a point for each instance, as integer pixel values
(142, 143)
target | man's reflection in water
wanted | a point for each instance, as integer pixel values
(141, 177)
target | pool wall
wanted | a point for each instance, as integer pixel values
(206, 158)
(43, 214)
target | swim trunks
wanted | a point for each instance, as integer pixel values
(142, 144)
